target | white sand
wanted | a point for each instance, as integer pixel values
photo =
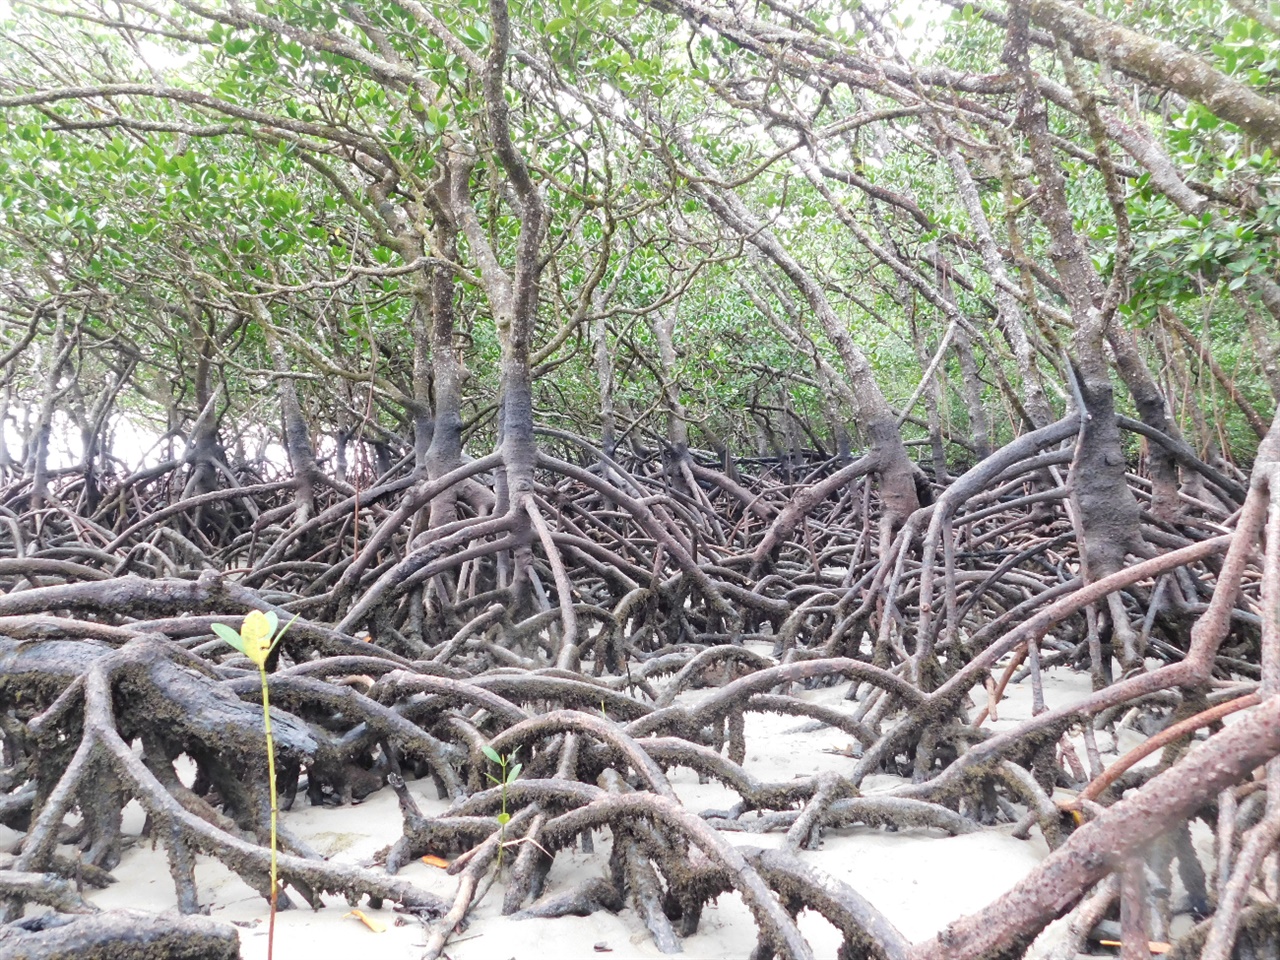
(920, 879)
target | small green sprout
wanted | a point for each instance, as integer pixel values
(508, 772)
(256, 639)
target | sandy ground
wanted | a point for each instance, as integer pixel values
(920, 879)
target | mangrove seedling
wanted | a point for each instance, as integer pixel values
(508, 772)
(256, 639)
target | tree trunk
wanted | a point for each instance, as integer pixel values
(297, 436)
(1106, 507)
(979, 428)
(204, 450)
(444, 454)
(664, 326)
(1009, 313)
(513, 299)
(1149, 400)
(1265, 342)
(876, 420)
(932, 400)
(37, 467)
(604, 375)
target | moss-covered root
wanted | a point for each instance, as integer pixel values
(118, 935)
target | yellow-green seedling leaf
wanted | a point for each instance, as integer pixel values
(257, 626)
(504, 818)
(367, 920)
(491, 753)
(256, 633)
(228, 635)
(514, 772)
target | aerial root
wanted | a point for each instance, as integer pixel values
(582, 900)
(177, 710)
(47, 889)
(1084, 917)
(99, 711)
(118, 935)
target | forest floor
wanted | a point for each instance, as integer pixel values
(684, 767)
(921, 879)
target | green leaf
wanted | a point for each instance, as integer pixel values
(492, 754)
(514, 772)
(274, 621)
(504, 818)
(230, 636)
